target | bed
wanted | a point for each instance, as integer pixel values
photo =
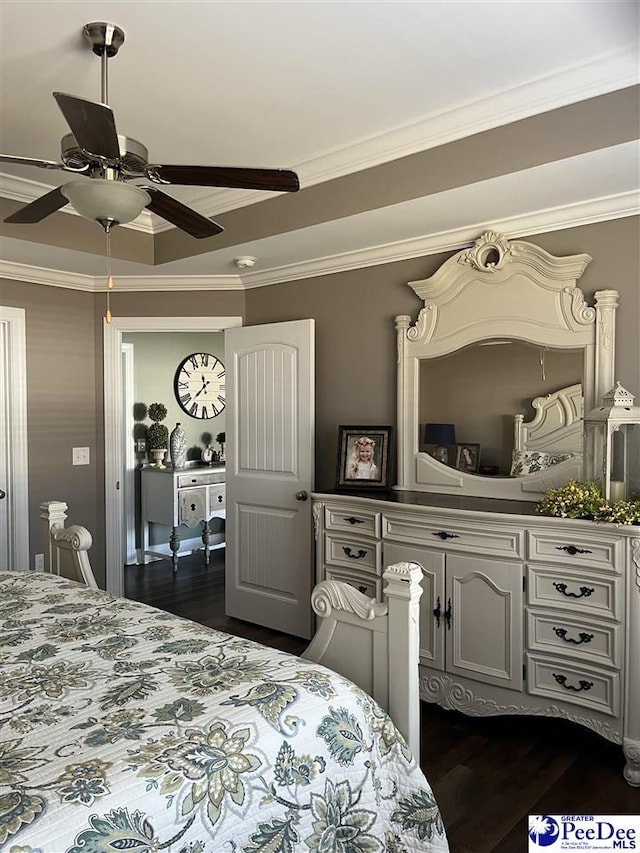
(548, 449)
(128, 728)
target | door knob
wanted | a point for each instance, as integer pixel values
(302, 495)
(2, 494)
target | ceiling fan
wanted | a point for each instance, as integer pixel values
(109, 161)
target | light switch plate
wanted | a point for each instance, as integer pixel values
(80, 456)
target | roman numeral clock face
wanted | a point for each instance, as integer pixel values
(199, 385)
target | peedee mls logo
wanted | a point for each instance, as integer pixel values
(584, 832)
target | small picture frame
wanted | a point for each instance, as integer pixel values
(445, 453)
(364, 457)
(468, 458)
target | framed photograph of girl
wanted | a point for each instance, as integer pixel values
(364, 457)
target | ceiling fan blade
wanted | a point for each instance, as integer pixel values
(277, 180)
(180, 215)
(31, 161)
(39, 209)
(92, 125)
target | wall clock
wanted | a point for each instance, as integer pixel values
(199, 385)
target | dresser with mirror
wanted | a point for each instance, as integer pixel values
(521, 614)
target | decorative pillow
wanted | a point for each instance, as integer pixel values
(532, 461)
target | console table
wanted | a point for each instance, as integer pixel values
(187, 496)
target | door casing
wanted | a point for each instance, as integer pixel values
(113, 423)
(14, 449)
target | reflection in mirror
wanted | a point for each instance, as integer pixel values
(481, 387)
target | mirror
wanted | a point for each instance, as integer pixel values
(504, 326)
(481, 387)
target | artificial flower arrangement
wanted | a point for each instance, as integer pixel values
(585, 500)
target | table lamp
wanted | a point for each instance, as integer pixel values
(442, 435)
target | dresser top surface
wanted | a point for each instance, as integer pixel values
(477, 505)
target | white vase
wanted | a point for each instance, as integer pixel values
(178, 447)
(158, 456)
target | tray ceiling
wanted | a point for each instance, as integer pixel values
(412, 126)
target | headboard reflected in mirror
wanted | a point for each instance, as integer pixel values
(501, 291)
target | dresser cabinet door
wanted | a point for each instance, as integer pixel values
(192, 506)
(432, 601)
(484, 620)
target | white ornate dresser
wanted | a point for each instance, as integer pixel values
(521, 614)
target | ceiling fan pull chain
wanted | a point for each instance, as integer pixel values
(107, 314)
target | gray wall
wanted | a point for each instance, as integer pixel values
(156, 358)
(355, 353)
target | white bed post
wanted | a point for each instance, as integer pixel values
(73, 540)
(402, 595)
(54, 514)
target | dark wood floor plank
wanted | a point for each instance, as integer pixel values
(488, 773)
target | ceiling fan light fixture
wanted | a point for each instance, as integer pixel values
(111, 202)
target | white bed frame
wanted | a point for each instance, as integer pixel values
(375, 645)
(557, 427)
(66, 549)
(557, 424)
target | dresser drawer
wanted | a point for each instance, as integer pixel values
(584, 640)
(371, 587)
(344, 518)
(574, 592)
(580, 551)
(200, 478)
(353, 553)
(478, 539)
(584, 685)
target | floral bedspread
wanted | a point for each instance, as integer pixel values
(124, 728)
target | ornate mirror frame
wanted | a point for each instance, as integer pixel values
(499, 289)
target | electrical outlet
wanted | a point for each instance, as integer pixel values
(38, 563)
(80, 456)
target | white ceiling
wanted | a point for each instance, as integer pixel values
(326, 88)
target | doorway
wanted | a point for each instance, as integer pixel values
(114, 423)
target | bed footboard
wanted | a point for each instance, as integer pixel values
(65, 548)
(374, 644)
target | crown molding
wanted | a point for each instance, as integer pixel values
(554, 219)
(588, 80)
(126, 283)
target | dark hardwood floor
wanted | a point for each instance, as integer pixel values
(488, 774)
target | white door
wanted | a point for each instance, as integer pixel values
(269, 474)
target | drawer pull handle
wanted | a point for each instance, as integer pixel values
(353, 520)
(437, 611)
(571, 549)
(361, 553)
(584, 637)
(585, 591)
(447, 615)
(442, 534)
(362, 589)
(583, 685)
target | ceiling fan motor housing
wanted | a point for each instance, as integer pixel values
(134, 156)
